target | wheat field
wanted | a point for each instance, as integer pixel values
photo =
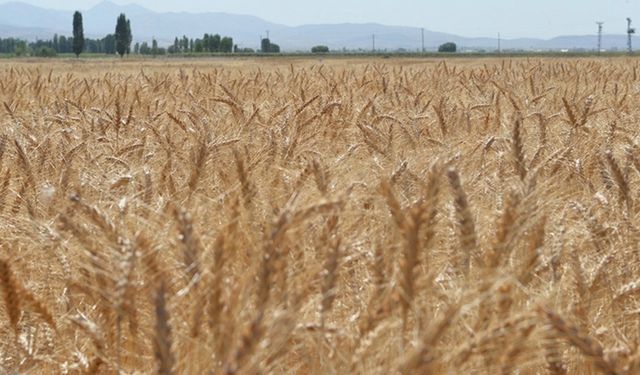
(290, 216)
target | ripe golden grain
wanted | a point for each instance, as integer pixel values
(343, 216)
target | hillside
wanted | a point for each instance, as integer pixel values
(23, 20)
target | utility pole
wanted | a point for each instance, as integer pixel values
(373, 38)
(630, 32)
(499, 43)
(422, 30)
(599, 36)
(268, 35)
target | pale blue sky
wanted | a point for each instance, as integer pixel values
(512, 18)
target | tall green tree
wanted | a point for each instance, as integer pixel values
(65, 45)
(78, 34)
(123, 35)
(176, 45)
(184, 44)
(226, 45)
(206, 43)
(265, 46)
(215, 43)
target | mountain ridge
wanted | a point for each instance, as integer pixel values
(20, 19)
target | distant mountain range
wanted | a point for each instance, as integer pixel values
(27, 21)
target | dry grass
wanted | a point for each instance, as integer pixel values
(269, 216)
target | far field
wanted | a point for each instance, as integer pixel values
(319, 215)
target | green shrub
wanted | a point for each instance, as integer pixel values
(320, 49)
(448, 47)
(45, 52)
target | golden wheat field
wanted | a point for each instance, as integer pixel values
(320, 217)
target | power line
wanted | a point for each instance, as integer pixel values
(599, 36)
(630, 32)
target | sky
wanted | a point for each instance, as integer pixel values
(474, 18)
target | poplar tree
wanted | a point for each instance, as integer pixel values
(123, 35)
(78, 34)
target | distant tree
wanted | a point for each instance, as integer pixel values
(78, 34)
(63, 44)
(144, 49)
(268, 47)
(320, 49)
(122, 35)
(45, 52)
(216, 43)
(21, 48)
(245, 50)
(226, 44)
(56, 46)
(199, 46)
(136, 48)
(154, 47)
(448, 47)
(92, 45)
(265, 46)
(176, 45)
(109, 43)
(184, 44)
(206, 43)
(192, 46)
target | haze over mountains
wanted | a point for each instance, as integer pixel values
(27, 21)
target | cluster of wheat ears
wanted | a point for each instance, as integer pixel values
(328, 218)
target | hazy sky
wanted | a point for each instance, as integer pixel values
(512, 18)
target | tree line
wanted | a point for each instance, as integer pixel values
(59, 44)
(120, 42)
(117, 43)
(208, 43)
